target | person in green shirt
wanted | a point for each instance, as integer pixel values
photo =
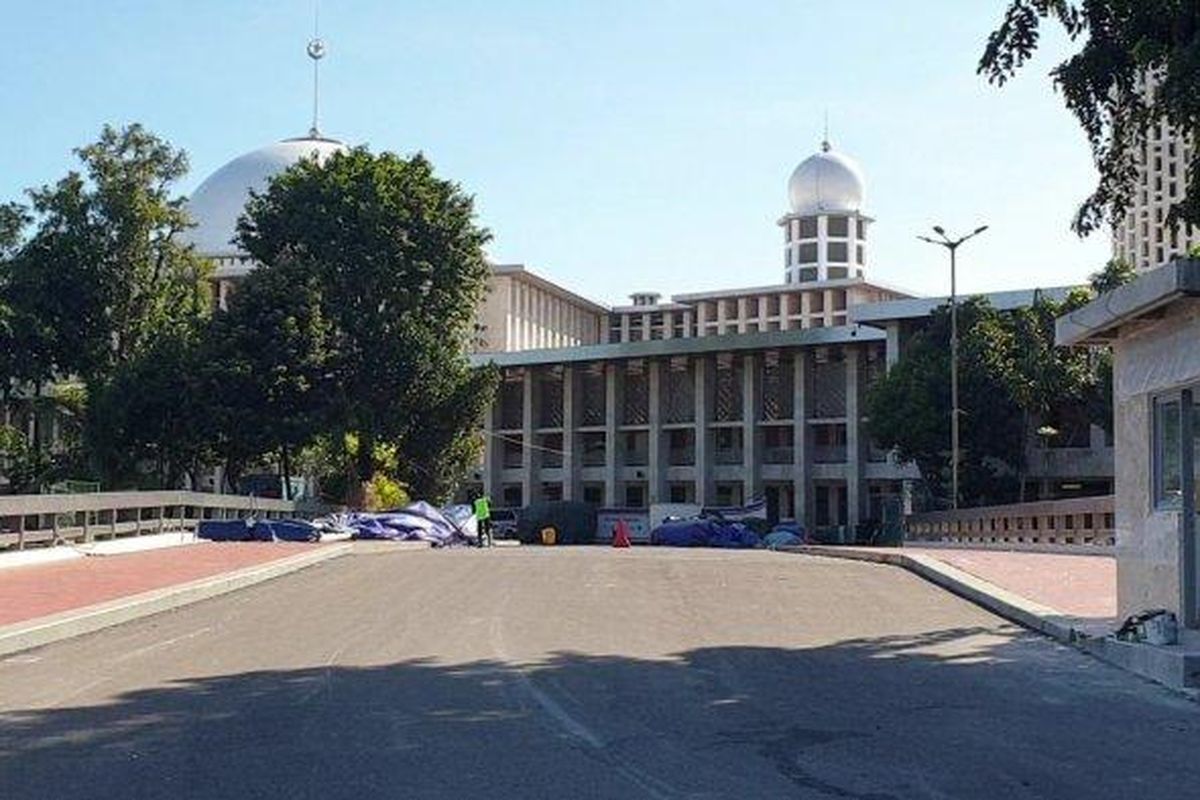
(483, 519)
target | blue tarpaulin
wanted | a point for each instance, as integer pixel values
(258, 530)
(704, 532)
(419, 522)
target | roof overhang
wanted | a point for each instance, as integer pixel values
(879, 314)
(522, 273)
(1100, 320)
(660, 348)
(783, 288)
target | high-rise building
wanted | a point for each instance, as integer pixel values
(1143, 237)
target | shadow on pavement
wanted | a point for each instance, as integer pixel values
(956, 713)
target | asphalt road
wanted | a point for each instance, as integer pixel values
(585, 673)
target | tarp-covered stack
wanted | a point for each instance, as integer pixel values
(258, 530)
(704, 532)
(419, 522)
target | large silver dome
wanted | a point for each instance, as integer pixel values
(827, 183)
(218, 202)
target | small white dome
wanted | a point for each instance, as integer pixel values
(827, 183)
(218, 202)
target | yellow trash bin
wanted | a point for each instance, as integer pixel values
(549, 535)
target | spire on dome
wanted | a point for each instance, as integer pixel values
(316, 51)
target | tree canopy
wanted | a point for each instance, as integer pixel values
(1013, 380)
(1137, 65)
(389, 266)
(103, 273)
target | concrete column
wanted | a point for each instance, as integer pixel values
(802, 496)
(855, 491)
(610, 428)
(655, 463)
(703, 377)
(668, 325)
(570, 439)
(722, 317)
(893, 344)
(647, 320)
(687, 324)
(624, 327)
(491, 452)
(743, 311)
(701, 318)
(751, 452)
(529, 460)
(822, 247)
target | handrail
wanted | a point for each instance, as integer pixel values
(1071, 522)
(54, 518)
(16, 504)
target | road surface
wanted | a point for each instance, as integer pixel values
(585, 673)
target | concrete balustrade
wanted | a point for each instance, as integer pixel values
(46, 519)
(1078, 522)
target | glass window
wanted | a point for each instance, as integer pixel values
(808, 253)
(808, 227)
(808, 274)
(1168, 478)
(839, 252)
(839, 226)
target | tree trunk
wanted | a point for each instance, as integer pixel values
(1023, 467)
(364, 469)
(285, 462)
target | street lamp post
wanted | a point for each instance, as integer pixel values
(952, 245)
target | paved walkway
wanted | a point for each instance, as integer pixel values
(594, 673)
(36, 591)
(1083, 586)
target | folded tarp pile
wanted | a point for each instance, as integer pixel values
(704, 532)
(259, 530)
(419, 522)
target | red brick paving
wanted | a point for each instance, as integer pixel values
(35, 591)
(1076, 585)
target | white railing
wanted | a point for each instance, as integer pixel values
(1082, 521)
(41, 519)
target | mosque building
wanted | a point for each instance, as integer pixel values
(709, 398)
(713, 398)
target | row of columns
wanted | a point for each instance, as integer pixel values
(794, 309)
(656, 467)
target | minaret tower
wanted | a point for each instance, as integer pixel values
(825, 234)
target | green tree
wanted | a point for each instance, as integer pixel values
(1122, 43)
(266, 370)
(1115, 273)
(101, 280)
(103, 273)
(395, 260)
(148, 426)
(909, 408)
(1014, 383)
(1050, 385)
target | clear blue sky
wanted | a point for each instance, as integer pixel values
(613, 146)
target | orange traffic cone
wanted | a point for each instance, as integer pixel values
(621, 534)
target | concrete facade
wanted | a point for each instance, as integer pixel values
(1153, 326)
(523, 311)
(711, 420)
(1142, 237)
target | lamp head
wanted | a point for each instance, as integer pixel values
(939, 230)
